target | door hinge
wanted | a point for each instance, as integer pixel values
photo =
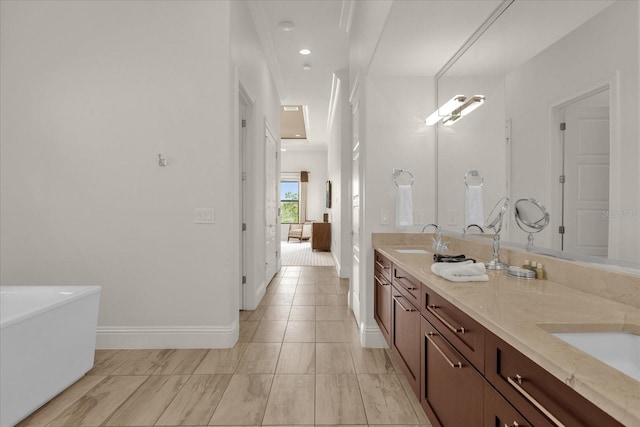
(244, 280)
(277, 254)
(244, 123)
(563, 179)
(563, 126)
(244, 176)
(244, 226)
(561, 229)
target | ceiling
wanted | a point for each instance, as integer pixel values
(418, 38)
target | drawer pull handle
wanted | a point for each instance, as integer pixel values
(432, 309)
(380, 281)
(381, 265)
(515, 424)
(409, 288)
(516, 384)
(395, 298)
(453, 365)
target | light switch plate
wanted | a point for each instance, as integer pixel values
(204, 216)
(418, 217)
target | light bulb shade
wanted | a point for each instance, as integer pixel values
(445, 110)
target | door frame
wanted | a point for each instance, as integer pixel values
(244, 190)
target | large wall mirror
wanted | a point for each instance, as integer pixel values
(560, 124)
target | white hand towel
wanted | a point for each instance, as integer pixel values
(404, 206)
(474, 210)
(466, 271)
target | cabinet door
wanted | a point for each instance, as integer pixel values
(498, 412)
(537, 394)
(452, 389)
(382, 305)
(405, 337)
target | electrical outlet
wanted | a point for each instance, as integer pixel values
(451, 217)
(384, 216)
(204, 216)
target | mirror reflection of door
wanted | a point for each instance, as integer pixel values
(586, 175)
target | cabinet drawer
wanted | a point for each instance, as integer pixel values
(405, 337)
(408, 285)
(382, 264)
(382, 305)
(452, 391)
(462, 331)
(498, 412)
(535, 393)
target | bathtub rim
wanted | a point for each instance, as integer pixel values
(79, 291)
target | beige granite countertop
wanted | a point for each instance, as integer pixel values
(523, 312)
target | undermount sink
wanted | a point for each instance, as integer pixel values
(412, 251)
(619, 350)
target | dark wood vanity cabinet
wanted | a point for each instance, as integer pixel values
(498, 412)
(462, 373)
(452, 389)
(382, 300)
(462, 331)
(405, 327)
(542, 398)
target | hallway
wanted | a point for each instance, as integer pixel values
(298, 362)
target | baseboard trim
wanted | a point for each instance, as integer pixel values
(151, 337)
(371, 337)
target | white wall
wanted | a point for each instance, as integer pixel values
(253, 73)
(90, 93)
(315, 162)
(605, 49)
(476, 141)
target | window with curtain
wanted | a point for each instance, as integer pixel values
(289, 202)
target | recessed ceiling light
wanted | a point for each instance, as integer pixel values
(305, 51)
(283, 149)
(286, 25)
(298, 135)
(306, 67)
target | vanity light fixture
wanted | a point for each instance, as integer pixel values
(445, 110)
(467, 107)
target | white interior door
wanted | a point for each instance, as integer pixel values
(243, 202)
(586, 169)
(354, 297)
(271, 206)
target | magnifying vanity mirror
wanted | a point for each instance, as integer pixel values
(558, 124)
(494, 222)
(531, 217)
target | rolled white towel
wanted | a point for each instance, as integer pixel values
(466, 271)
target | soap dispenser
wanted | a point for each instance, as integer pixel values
(539, 272)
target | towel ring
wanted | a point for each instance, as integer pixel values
(473, 173)
(398, 172)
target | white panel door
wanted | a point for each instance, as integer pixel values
(271, 206)
(586, 193)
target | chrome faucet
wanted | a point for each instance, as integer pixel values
(437, 242)
(464, 230)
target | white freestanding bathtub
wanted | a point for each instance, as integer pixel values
(47, 342)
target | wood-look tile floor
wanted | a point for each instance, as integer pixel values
(298, 361)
